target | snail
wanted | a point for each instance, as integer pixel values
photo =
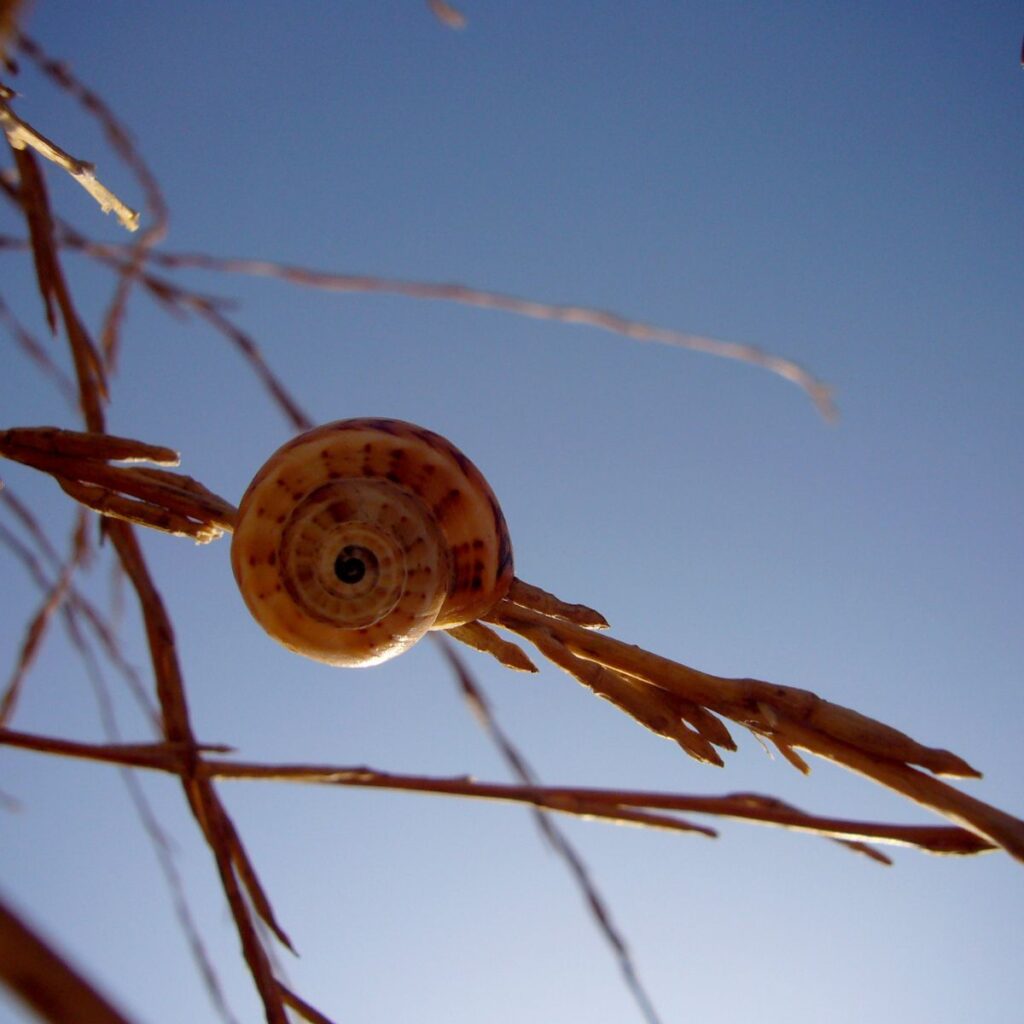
(356, 538)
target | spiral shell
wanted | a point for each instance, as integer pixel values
(357, 537)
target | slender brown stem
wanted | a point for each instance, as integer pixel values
(575, 800)
(45, 981)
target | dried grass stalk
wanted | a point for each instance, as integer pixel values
(171, 502)
(44, 979)
(20, 134)
(791, 718)
(484, 639)
(819, 392)
(120, 142)
(753, 808)
(32, 196)
(447, 14)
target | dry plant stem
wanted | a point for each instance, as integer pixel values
(171, 502)
(447, 14)
(793, 718)
(483, 638)
(106, 447)
(120, 141)
(999, 827)
(301, 1007)
(159, 840)
(32, 196)
(746, 701)
(20, 135)
(672, 692)
(158, 494)
(220, 834)
(651, 707)
(579, 801)
(116, 506)
(171, 756)
(31, 346)
(33, 639)
(8, 23)
(179, 301)
(78, 607)
(818, 391)
(556, 838)
(45, 981)
(602, 803)
(529, 596)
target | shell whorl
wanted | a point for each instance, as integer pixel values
(357, 537)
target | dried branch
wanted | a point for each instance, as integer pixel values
(78, 606)
(529, 596)
(790, 717)
(8, 24)
(120, 142)
(556, 838)
(180, 759)
(171, 502)
(19, 444)
(20, 134)
(484, 639)
(178, 300)
(447, 14)
(232, 861)
(668, 698)
(45, 981)
(30, 345)
(301, 1007)
(819, 392)
(34, 634)
(244, 893)
(35, 203)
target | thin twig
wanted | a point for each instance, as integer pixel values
(578, 801)
(301, 1007)
(21, 134)
(45, 980)
(31, 346)
(221, 837)
(34, 201)
(447, 14)
(32, 643)
(556, 838)
(819, 392)
(171, 502)
(121, 143)
(78, 606)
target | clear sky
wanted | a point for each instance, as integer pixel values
(838, 183)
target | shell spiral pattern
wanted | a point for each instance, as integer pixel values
(356, 538)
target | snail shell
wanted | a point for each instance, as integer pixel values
(357, 537)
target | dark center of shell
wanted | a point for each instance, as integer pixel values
(352, 562)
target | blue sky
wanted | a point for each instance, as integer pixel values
(840, 184)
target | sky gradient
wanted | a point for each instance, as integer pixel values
(838, 184)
